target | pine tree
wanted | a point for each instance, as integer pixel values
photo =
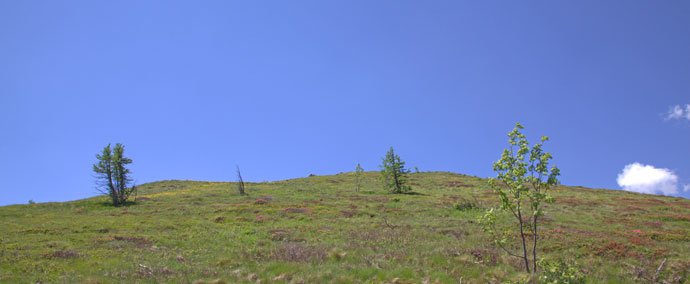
(113, 175)
(394, 173)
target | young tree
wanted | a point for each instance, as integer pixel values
(359, 171)
(113, 175)
(240, 182)
(394, 173)
(522, 183)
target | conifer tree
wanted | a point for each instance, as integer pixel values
(113, 175)
(394, 173)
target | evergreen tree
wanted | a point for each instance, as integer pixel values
(113, 175)
(394, 173)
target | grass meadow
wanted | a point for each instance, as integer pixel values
(320, 230)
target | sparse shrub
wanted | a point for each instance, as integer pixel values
(31, 201)
(113, 175)
(394, 173)
(465, 206)
(557, 272)
(522, 184)
(359, 171)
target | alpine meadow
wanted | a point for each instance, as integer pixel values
(390, 226)
(374, 142)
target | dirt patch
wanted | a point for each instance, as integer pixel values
(62, 254)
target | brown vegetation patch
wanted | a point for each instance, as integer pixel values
(219, 219)
(571, 201)
(280, 235)
(370, 198)
(457, 184)
(613, 249)
(296, 210)
(299, 252)
(675, 235)
(348, 213)
(263, 199)
(139, 242)
(674, 217)
(654, 224)
(260, 201)
(482, 255)
(62, 254)
(146, 271)
(261, 218)
(456, 233)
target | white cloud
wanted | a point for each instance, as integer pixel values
(686, 188)
(678, 112)
(648, 179)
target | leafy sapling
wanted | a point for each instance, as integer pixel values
(522, 184)
(359, 172)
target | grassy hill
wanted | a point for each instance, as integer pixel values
(318, 229)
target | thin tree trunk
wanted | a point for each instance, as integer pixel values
(524, 243)
(534, 246)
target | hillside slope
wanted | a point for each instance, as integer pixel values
(318, 229)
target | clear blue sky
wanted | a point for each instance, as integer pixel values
(289, 88)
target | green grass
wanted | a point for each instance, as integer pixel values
(318, 229)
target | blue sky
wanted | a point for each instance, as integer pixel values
(289, 88)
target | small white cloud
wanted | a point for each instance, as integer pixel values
(648, 179)
(678, 112)
(686, 188)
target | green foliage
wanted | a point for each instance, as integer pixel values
(522, 183)
(113, 175)
(359, 172)
(559, 272)
(394, 174)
